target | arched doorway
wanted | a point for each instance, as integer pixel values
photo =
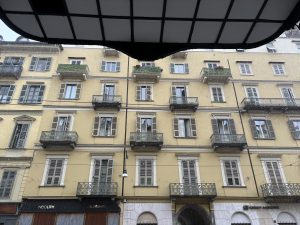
(285, 218)
(240, 218)
(147, 218)
(193, 215)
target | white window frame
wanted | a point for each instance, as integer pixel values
(190, 130)
(92, 165)
(246, 93)
(22, 122)
(76, 60)
(250, 68)
(182, 158)
(99, 127)
(69, 84)
(151, 88)
(38, 61)
(71, 122)
(292, 91)
(106, 66)
(183, 72)
(222, 159)
(12, 191)
(137, 170)
(278, 160)
(211, 93)
(112, 84)
(274, 69)
(212, 62)
(144, 63)
(47, 164)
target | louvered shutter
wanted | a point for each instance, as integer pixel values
(228, 172)
(253, 129)
(7, 182)
(138, 92)
(78, 91)
(103, 64)
(273, 172)
(142, 172)
(54, 122)
(96, 175)
(149, 172)
(214, 124)
(114, 126)
(33, 63)
(109, 171)
(23, 94)
(62, 91)
(186, 68)
(270, 129)
(138, 124)
(22, 136)
(185, 172)
(175, 127)
(172, 70)
(10, 93)
(48, 65)
(41, 94)
(118, 67)
(154, 125)
(193, 126)
(231, 126)
(54, 171)
(96, 126)
(293, 131)
(148, 97)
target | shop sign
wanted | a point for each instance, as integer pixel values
(248, 207)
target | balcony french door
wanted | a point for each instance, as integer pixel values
(252, 94)
(109, 92)
(287, 94)
(102, 174)
(189, 178)
(180, 95)
(275, 177)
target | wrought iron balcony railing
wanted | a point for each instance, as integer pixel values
(59, 138)
(219, 74)
(271, 104)
(107, 101)
(204, 190)
(151, 73)
(281, 192)
(187, 103)
(228, 140)
(13, 71)
(97, 189)
(146, 139)
(73, 71)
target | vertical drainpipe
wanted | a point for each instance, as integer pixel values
(243, 128)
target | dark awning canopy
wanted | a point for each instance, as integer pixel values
(150, 29)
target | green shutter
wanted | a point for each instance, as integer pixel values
(231, 126)
(214, 124)
(33, 63)
(118, 67)
(154, 125)
(49, 60)
(23, 93)
(270, 129)
(253, 129)
(103, 63)
(62, 91)
(175, 127)
(186, 67)
(114, 126)
(41, 93)
(78, 91)
(194, 130)
(293, 131)
(138, 92)
(148, 97)
(171, 67)
(10, 93)
(96, 125)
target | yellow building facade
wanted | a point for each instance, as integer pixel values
(92, 136)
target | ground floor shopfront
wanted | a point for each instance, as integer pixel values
(69, 212)
(8, 213)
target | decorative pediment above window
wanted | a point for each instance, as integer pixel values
(24, 118)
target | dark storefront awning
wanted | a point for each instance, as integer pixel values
(152, 29)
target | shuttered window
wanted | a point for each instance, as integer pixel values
(54, 172)
(184, 127)
(146, 172)
(7, 183)
(274, 173)
(6, 92)
(245, 68)
(217, 94)
(262, 129)
(231, 172)
(70, 91)
(32, 94)
(223, 126)
(143, 93)
(110, 66)
(294, 126)
(19, 135)
(103, 169)
(189, 175)
(179, 68)
(61, 123)
(40, 64)
(105, 126)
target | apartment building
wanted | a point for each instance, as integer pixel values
(200, 137)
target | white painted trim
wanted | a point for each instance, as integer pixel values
(71, 122)
(249, 86)
(108, 83)
(211, 92)
(74, 59)
(236, 158)
(93, 163)
(137, 158)
(278, 160)
(283, 68)
(180, 159)
(250, 68)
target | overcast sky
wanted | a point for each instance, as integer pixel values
(7, 33)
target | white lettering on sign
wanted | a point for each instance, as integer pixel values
(46, 207)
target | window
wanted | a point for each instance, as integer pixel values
(62, 123)
(278, 68)
(102, 171)
(273, 171)
(294, 126)
(146, 172)
(217, 94)
(19, 135)
(40, 64)
(70, 91)
(105, 126)
(146, 124)
(6, 92)
(288, 95)
(189, 173)
(76, 61)
(144, 92)
(32, 94)
(231, 172)
(13, 61)
(223, 126)
(7, 183)
(212, 65)
(179, 68)
(252, 95)
(262, 129)
(271, 48)
(54, 171)
(147, 64)
(184, 127)
(110, 66)
(245, 68)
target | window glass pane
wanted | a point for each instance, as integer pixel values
(33, 92)
(261, 128)
(4, 93)
(41, 64)
(143, 93)
(70, 92)
(105, 126)
(179, 68)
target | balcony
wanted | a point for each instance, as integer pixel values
(59, 138)
(107, 101)
(72, 71)
(271, 104)
(184, 103)
(216, 75)
(281, 193)
(95, 189)
(10, 71)
(110, 52)
(179, 55)
(146, 141)
(228, 141)
(146, 73)
(206, 191)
